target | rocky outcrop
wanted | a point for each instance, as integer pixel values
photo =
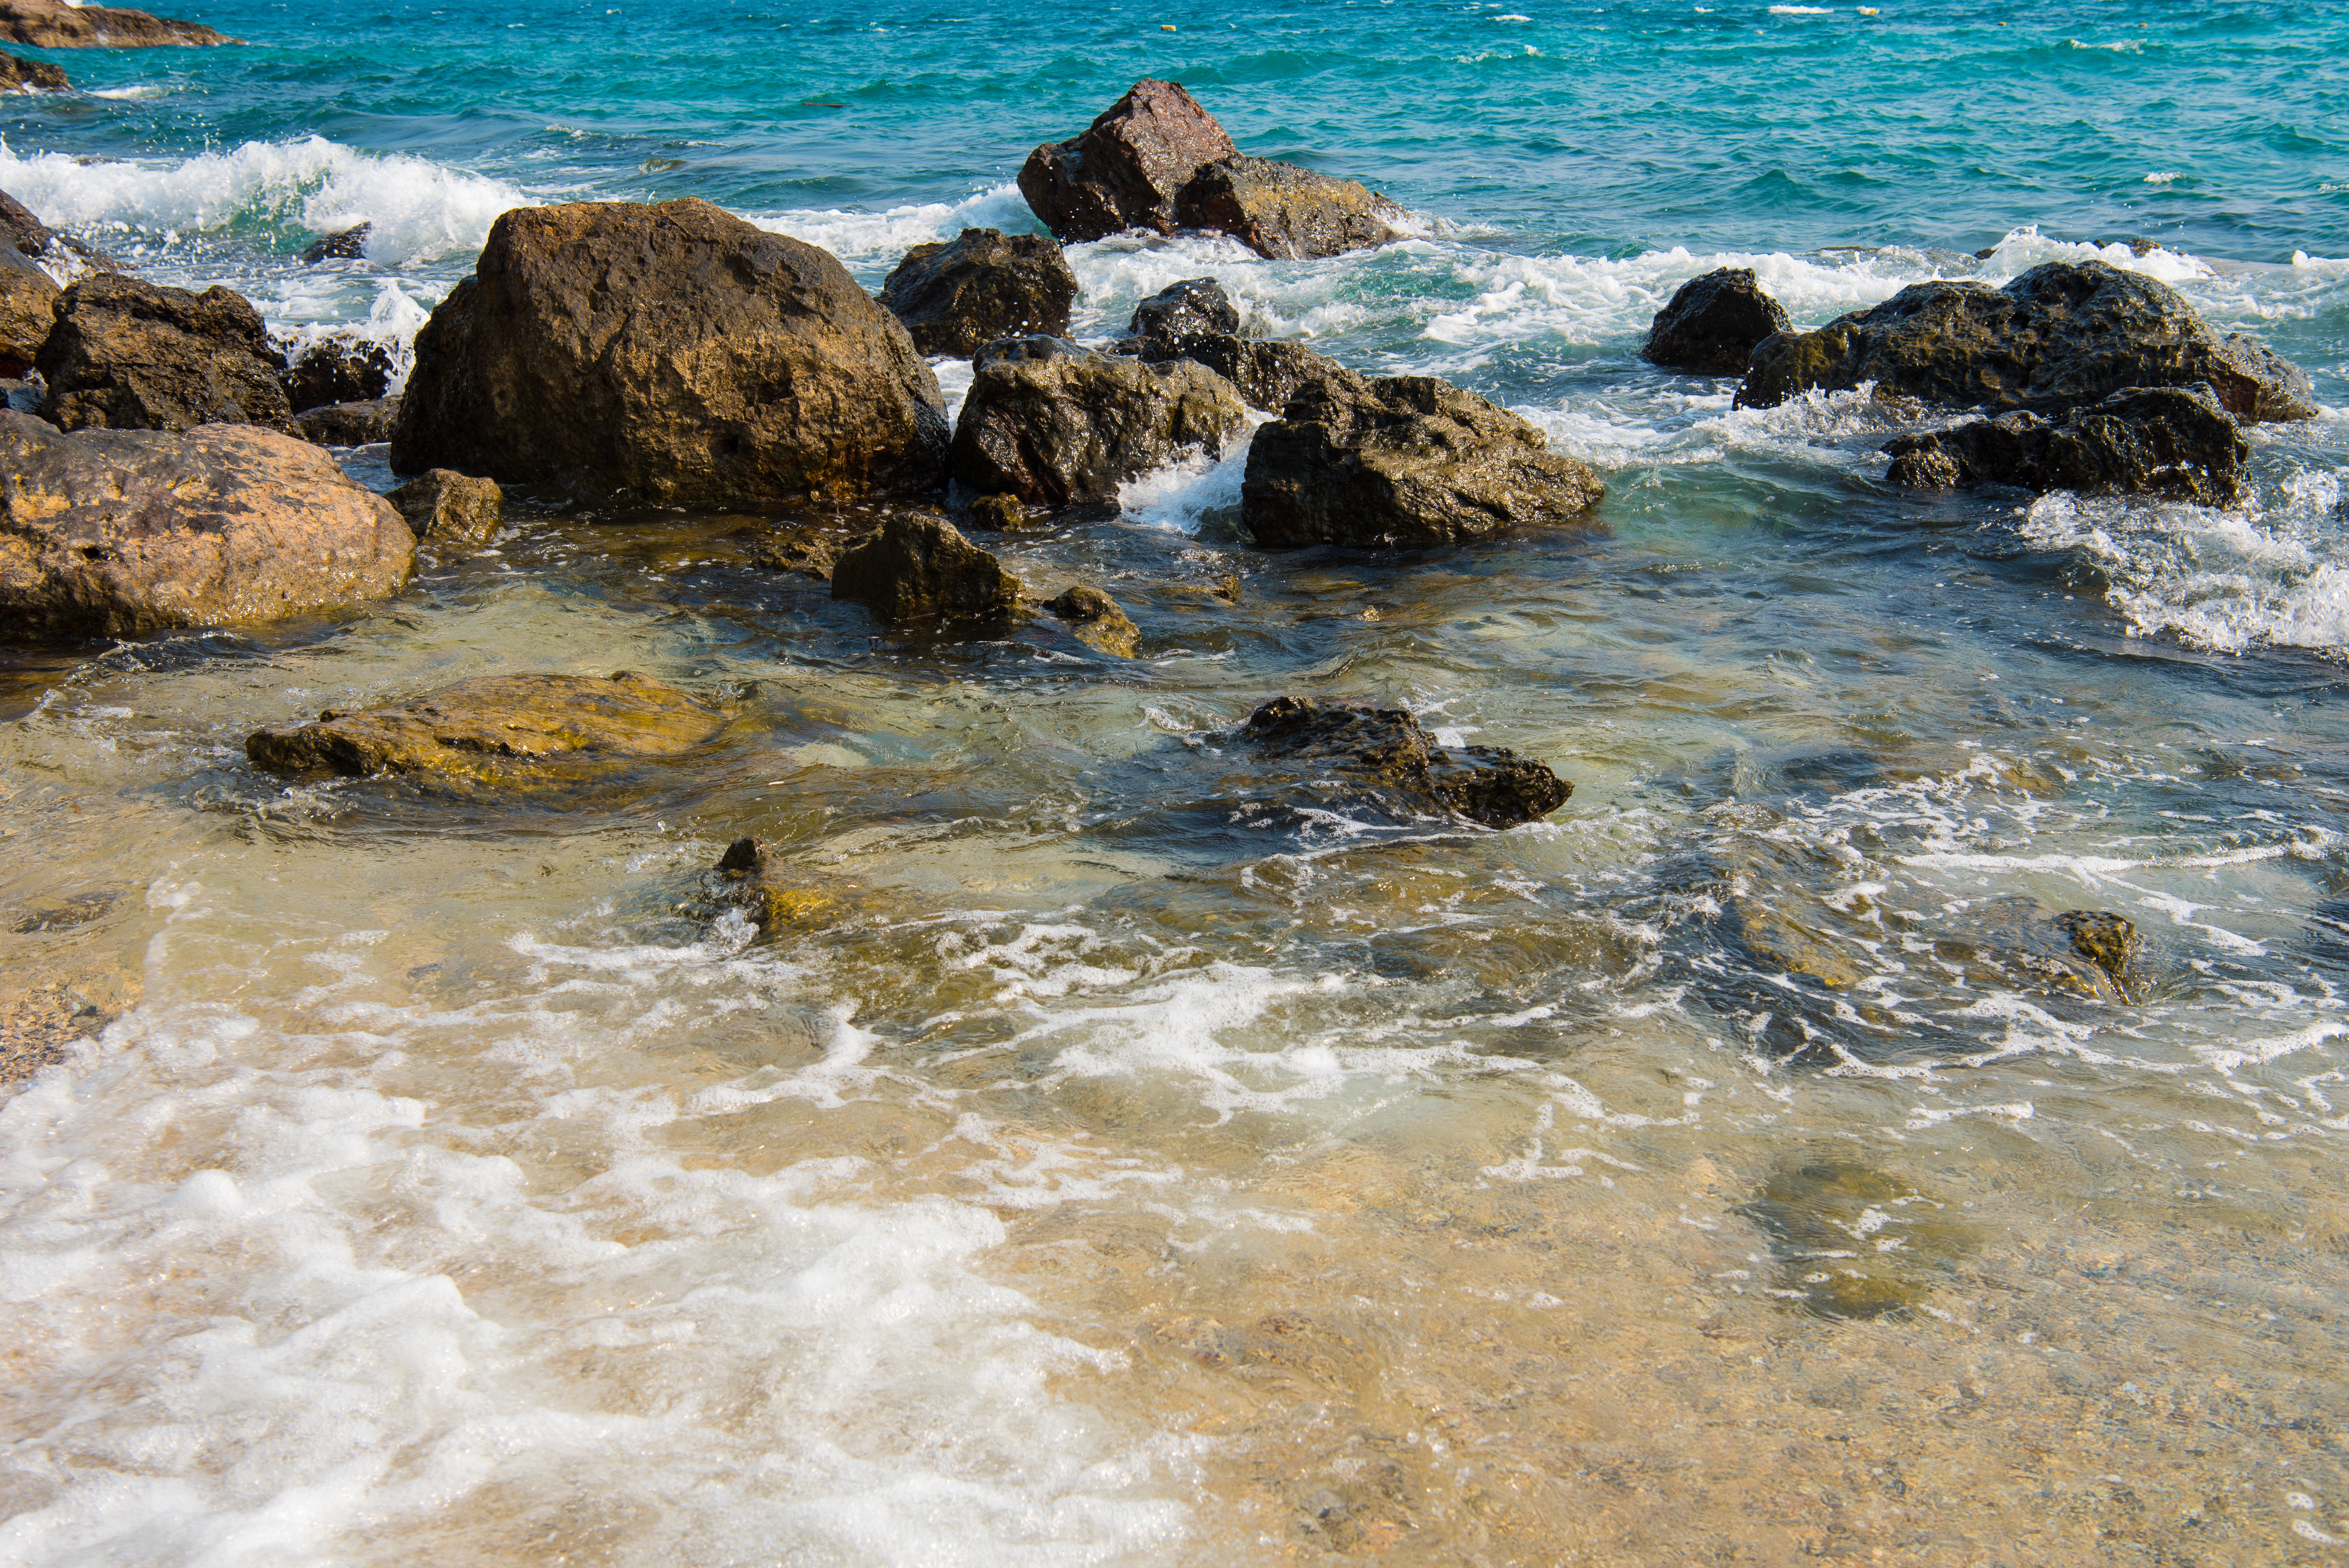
(450, 510)
(955, 297)
(1057, 426)
(28, 305)
(1195, 307)
(1712, 324)
(336, 370)
(349, 245)
(1098, 621)
(2173, 441)
(502, 732)
(919, 570)
(2061, 336)
(1403, 463)
(1195, 320)
(121, 533)
(1384, 754)
(1285, 212)
(19, 75)
(128, 355)
(349, 424)
(55, 25)
(672, 353)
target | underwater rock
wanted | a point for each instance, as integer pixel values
(1712, 323)
(348, 424)
(349, 245)
(503, 732)
(128, 355)
(19, 75)
(127, 531)
(55, 25)
(1386, 750)
(448, 509)
(1193, 308)
(919, 569)
(808, 551)
(2062, 335)
(336, 370)
(752, 877)
(1125, 170)
(1403, 463)
(955, 297)
(2170, 440)
(1283, 212)
(673, 354)
(1097, 620)
(2016, 942)
(1852, 1241)
(1055, 428)
(28, 310)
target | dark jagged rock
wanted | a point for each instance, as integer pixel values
(1268, 371)
(2061, 336)
(128, 355)
(348, 424)
(921, 570)
(123, 532)
(28, 305)
(450, 509)
(28, 233)
(1004, 513)
(1387, 751)
(1127, 169)
(350, 245)
(2173, 441)
(338, 370)
(1283, 212)
(1193, 308)
(673, 354)
(1056, 429)
(501, 732)
(1403, 463)
(1712, 324)
(19, 75)
(955, 297)
(54, 25)
(1098, 621)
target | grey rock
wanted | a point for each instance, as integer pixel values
(1062, 428)
(2172, 440)
(1712, 323)
(955, 297)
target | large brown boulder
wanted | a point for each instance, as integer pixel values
(1712, 323)
(2061, 336)
(1127, 169)
(55, 25)
(1057, 426)
(670, 353)
(918, 569)
(1283, 212)
(28, 309)
(2170, 440)
(1403, 463)
(121, 533)
(128, 355)
(985, 285)
(20, 75)
(1383, 757)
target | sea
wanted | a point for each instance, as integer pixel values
(1134, 1168)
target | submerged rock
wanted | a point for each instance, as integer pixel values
(1286, 213)
(128, 355)
(1855, 1242)
(1385, 749)
(2171, 441)
(673, 354)
(350, 245)
(1056, 428)
(1004, 513)
(18, 75)
(1125, 170)
(1712, 324)
(28, 310)
(1403, 463)
(774, 897)
(336, 370)
(2017, 943)
(955, 297)
(2062, 335)
(503, 732)
(349, 424)
(1097, 620)
(127, 531)
(55, 25)
(450, 509)
(918, 569)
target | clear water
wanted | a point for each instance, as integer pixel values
(1126, 1178)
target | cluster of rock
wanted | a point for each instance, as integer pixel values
(59, 25)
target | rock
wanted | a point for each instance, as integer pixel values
(1192, 308)
(28, 233)
(1267, 371)
(336, 370)
(28, 305)
(1855, 1242)
(55, 25)
(449, 508)
(122, 532)
(1098, 621)
(955, 297)
(2061, 336)
(2173, 441)
(20, 75)
(1403, 463)
(920, 569)
(1056, 429)
(2105, 939)
(673, 354)
(1004, 513)
(1712, 324)
(810, 552)
(1127, 169)
(348, 424)
(753, 876)
(503, 732)
(1386, 749)
(128, 355)
(2017, 945)
(1283, 212)
(350, 245)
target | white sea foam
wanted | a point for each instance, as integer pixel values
(392, 321)
(887, 234)
(1181, 495)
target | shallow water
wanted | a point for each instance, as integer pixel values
(1136, 1167)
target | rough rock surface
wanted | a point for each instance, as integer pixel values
(1386, 751)
(348, 424)
(2172, 440)
(810, 552)
(1056, 428)
(955, 297)
(54, 25)
(127, 531)
(1193, 307)
(1712, 323)
(1098, 621)
(2018, 943)
(503, 731)
(28, 305)
(673, 354)
(776, 898)
(128, 355)
(1403, 463)
(28, 233)
(449, 508)
(2059, 336)
(1004, 513)
(17, 74)
(1283, 212)
(919, 570)
(336, 370)
(349, 245)
(1269, 372)
(1125, 170)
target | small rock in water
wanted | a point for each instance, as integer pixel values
(957, 297)
(754, 878)
(1386, 749)
(348, 424)
(1193, 308)
(338, 370)
(810, 552)
(2017, 943)
(1056, 428)
(1006, 513)
(918, 569)
(350, 245)
(2105, 939)
(23, 75)
(1712, 323)
(1127, 169)
(449, 508)
(2172, 440)
(128, 355)
(1098, 621)
(1852, 1241)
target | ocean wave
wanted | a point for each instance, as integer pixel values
(855, 236)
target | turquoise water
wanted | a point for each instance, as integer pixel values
(1126, 1173)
